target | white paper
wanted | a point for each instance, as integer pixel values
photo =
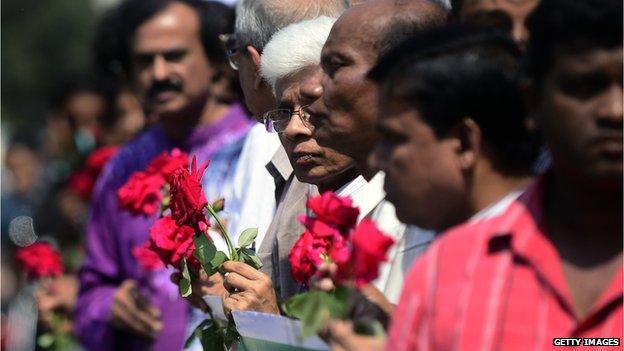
(216, 306)
(274, 328)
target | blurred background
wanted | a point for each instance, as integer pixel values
(64, 111)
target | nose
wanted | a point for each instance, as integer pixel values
(610, 108)
(520, 34)
(296, 129)
(160, 68)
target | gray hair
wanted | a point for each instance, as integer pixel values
(294, 48)
(258, 20)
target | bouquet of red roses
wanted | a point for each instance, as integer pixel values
(39, 262)
(333, 236)
(181, 237)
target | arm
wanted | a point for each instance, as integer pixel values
(99, 274)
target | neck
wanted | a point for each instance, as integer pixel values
(361, 164)
(177, 125)
(337, 181)
(586, 214)
(490, 186)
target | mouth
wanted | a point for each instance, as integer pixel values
(609, 145)
(163, 96)
(303, 159)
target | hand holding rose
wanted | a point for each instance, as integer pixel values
(249, 289)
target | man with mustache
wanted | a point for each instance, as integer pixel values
(172, 53)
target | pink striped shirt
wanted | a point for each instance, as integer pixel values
(498, 284)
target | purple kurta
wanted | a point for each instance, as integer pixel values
(112, 233)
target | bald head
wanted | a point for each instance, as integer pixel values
(344, 114)
(385, 23)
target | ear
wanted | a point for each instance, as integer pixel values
(468, 136)
(255, 58)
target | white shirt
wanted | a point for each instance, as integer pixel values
(253, 202)
(370, 198)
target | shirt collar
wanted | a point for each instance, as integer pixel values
(279, 166)
(370, 195)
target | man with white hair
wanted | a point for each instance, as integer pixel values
(285, 73)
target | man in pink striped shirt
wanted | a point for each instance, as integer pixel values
(549, 266)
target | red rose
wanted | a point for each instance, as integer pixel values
(370, 247)
(40, 260)
(172, 242)
(81, 182)
(166, 163)
(187, 196)
(142, 193)
(334, 210)
(147, 256)
(319, 228)
(99, 157)
(301, 265)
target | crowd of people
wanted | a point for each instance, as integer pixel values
(484, 137)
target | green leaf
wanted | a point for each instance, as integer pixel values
(196, 332)
(314, 308)
(311, 309)
(218, 260)
(45, 340)
(247, 237)
(185, 281)
(251, 258)
(231, 334)
(212, 338)
(205, 251)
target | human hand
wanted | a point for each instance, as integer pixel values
(133, 313)
(204, 285)
(323, 280)
(341, 337)
(248, 289)
(56, 295)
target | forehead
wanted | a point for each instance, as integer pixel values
(510, 6)
(288, 89)
(355, 32)
(175, 25)
(589, 60)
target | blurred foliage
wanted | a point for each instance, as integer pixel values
(42, 42)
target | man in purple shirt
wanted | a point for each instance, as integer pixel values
(172, 53)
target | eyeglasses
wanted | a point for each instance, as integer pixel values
(232, 49)
(277, 120)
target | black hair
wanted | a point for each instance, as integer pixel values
(215, 18)
(573, 26)
(460, 71)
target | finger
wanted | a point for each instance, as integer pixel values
(124, 320)
(143, 320)
(235, 281)
(243, 269)
(340, 333)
